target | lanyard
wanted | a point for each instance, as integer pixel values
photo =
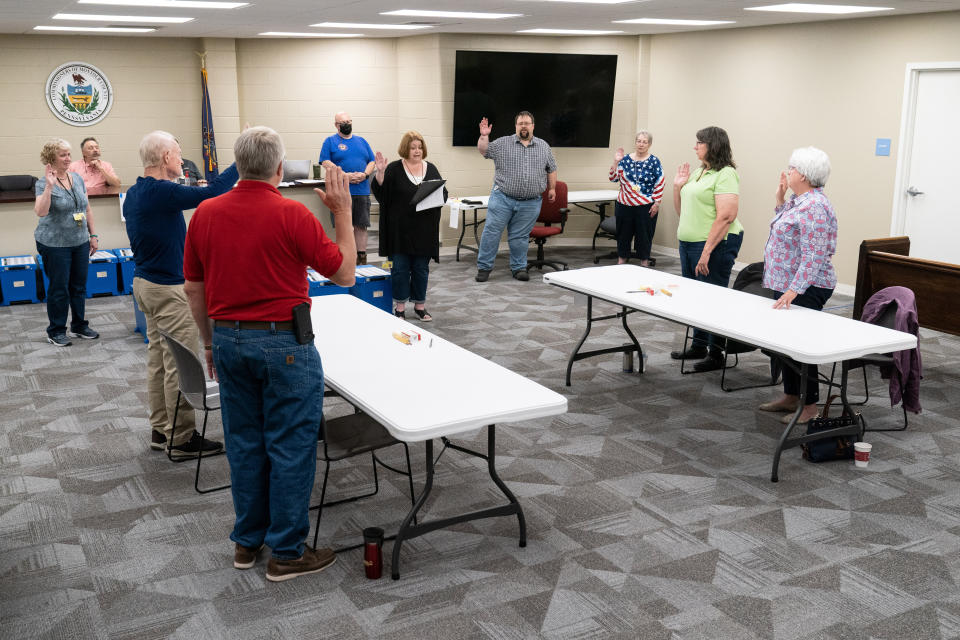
(76, 203)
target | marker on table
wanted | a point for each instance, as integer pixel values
(664, 291)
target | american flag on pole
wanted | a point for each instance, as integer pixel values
(209, 143)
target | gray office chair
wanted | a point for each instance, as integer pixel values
(349, 436)
(199, 394)
(608, 229)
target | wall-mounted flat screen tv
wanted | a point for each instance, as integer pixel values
(569, 95)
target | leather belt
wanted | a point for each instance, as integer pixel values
(254, 324)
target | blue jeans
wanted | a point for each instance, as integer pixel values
(720, 265)
(409, 277)
(812, 298)
(66, 268)
(518, 217)
(634, 223)
(271, 393)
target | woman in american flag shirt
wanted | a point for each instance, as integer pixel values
(640, 175)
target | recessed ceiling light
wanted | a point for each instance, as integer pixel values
(667, 21)
(570, 32)
(89, 17)
(468, 15)
(97, 29)
(308, 34)
(799, 7)
(363, 25)
(591, 1)
(170, 4)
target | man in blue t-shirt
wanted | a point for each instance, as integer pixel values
(153, 209)
(352, 154)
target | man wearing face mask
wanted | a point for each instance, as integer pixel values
(355, 157)
(524, 167)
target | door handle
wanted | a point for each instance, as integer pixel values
(912, 191)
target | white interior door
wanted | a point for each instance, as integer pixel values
(928, 186)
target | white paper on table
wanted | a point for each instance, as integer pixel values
(432, 201)
(454, 214)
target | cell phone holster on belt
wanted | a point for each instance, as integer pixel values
(302, 325)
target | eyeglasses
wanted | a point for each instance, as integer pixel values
(698, 143)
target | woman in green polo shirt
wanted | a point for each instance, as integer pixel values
(709, 233)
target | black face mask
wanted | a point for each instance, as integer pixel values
(346, 128)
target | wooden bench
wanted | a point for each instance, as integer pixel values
(886, 262)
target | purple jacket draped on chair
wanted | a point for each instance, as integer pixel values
(906, 384)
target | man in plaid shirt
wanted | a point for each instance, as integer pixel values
(524, 169)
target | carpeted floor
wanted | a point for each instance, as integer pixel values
(649, 507)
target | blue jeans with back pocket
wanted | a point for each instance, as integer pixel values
(271, 396)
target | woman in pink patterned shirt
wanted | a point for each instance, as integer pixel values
(803, 239)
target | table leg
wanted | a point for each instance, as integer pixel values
(407, 531)
(577, 355)
(786, 442)
(463, 231)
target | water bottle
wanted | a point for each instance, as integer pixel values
(373, 552)
(628, 358)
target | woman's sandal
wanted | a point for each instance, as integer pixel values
(423, 314)
(400, 314)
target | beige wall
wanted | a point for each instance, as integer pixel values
(835, 85)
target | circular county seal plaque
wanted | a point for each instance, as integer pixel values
(79, 94)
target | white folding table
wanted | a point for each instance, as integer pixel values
(598, 197)
(417, 393)
(806, 336)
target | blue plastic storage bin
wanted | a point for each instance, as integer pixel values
(125, 267)
(321, 286)
(18, 280)
(374, 286)
(102, 275)
(140, 319)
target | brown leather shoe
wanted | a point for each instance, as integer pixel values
(312, 561)
(245, 557)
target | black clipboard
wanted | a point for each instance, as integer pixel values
(425, 188)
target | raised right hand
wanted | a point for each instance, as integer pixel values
(50, 175)
(683, 174)
(380, 162)
(337, 195)
(618, 156)
(485, 127)
(781, 192)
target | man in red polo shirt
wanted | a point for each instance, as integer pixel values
(245, 263)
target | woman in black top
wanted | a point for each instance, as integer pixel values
(409, 237)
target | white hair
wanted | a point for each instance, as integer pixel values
(153, 146)
(812, 163)
(258, 152)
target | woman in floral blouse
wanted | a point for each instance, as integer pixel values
(803, 239)
(640, 175)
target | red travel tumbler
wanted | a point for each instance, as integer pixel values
(373, 552)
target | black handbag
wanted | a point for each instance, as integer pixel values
(837, 448)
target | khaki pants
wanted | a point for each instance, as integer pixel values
(166, 309)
